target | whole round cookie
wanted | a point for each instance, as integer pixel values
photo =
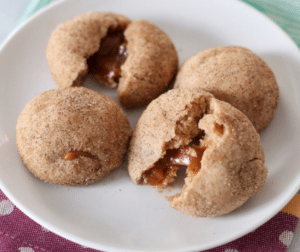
(138, 57)
(236, 75)
(215, 141)
(72, 136)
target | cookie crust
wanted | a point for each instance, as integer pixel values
(60, 121)
(232, 166)
(236, 75)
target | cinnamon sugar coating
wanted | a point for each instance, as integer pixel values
(72, 136)
(150, 67)
(232, 166)
(151, 64)
(236, 75)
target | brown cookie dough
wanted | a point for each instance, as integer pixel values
(235, 75)
(72, 136)
(217, 143)
(137, 56)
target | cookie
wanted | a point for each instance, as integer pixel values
(72, 136)
(215, 141)
(138, 57)
(236, 75)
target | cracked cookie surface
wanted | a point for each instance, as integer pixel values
(74, 41)
(231, 167)
(72, 136)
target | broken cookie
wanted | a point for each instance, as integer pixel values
(72, 136)
(236, 75)
(216, 142)
(138, 57)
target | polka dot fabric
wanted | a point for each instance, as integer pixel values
(275, 235)
(18, 233)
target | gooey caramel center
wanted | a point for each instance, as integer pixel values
(106, 63)
(167, 166)
(71, 155)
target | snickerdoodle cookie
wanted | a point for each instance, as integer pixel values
(217, 143)
(236, 75)
(72, 136)
(138, 57)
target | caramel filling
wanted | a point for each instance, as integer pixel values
(195, 164)
(106, 63)
(167, 167)
(219, 128)
(74, 154)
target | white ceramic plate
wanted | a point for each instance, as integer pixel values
(114, 214)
